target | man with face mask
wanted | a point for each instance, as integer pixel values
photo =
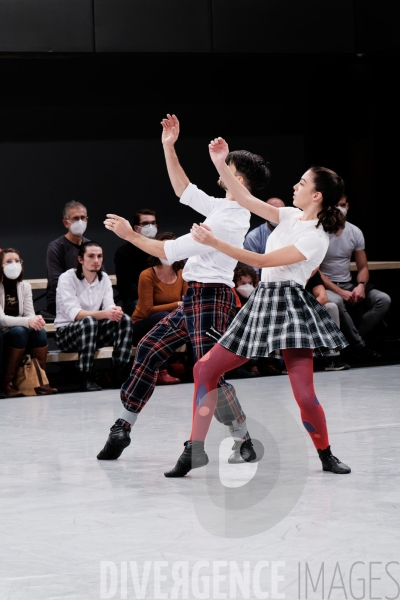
(355, 298)
(256, 239)
(62, 253)
(130, 261)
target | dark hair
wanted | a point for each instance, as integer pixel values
(331, 187)
(153, 261)
(4, 251)
(143, 211)
(71, 204)
(81, 253)
(242, 270)
(252, 167)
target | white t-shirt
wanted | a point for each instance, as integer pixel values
(336, 264)
(228, 220)
(309, 240)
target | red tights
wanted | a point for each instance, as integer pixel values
(300, 368)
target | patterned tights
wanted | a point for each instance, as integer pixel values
(299, 365)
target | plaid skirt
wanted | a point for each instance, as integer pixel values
(282, 315)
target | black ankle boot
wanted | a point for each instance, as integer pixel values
(242, 452)
(118, 440)
(331, 463)
(192, 457)
(87, 383)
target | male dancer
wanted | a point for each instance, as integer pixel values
(209, 300)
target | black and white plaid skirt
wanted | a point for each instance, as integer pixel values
(282, 315)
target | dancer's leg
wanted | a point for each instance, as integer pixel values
(207, 372)
(300, 368)
(299, 364)
(214, 306)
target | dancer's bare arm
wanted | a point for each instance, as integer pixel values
(218, 152)
(170, 134)
(123, 229)
(277, 258)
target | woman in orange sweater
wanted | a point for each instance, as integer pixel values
(160, 291)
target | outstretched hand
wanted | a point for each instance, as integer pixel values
(170, 131)
(219, 150)
(118, 225)
(203, 233)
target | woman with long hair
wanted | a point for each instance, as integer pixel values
(280, 315)
(23, 330)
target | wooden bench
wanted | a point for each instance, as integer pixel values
(57, 356)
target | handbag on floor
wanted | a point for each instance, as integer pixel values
(31, 379)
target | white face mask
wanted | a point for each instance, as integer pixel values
(342, 209)
(78, 227)
(273, 224)
(149, 231)
(245, 290)
(164, 261)
(12, 271)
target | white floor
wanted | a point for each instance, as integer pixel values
(76, 528)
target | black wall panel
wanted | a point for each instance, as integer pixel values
(152, 26)
(283, 26)
(46, 26)
(377, 26)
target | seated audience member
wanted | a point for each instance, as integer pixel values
(130, 261)
(315, 285)
(256, 239)
(62, 253)
(2, 394)
(356, 298)
(161, 288)
(246, 280)
(87, 318)
(22, 329)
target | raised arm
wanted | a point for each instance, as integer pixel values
(218, 152)
(170, 134)
(123, 229)
(278, 258)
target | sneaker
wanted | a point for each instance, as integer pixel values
(334, 364)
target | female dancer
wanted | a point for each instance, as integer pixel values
(279, 315)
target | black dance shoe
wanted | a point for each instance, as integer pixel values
(242, 452)
(331, 463)
(192, 457)
(118, 440)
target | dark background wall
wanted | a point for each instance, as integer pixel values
(84, 85)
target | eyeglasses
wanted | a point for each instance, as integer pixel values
(76, 219)
(18, 261)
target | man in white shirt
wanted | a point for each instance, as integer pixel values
(87, 317)
(353, 297)
(209, 301)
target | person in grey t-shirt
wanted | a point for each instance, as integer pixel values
(357, 298)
